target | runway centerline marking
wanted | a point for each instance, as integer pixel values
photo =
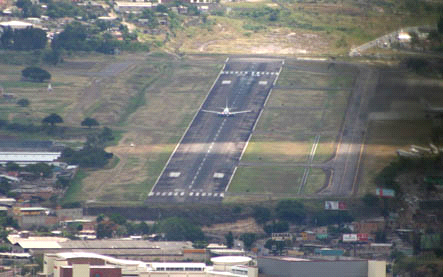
(207, 153)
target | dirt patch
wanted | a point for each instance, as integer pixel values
(239, 227)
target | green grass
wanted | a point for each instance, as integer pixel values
(266, 179)
(22, 84)
(315, 181)
(75, 190)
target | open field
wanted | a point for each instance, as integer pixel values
(316, 180)
(295, 114)
(154, 128)
(150, 103)
(296, 27)
(267, 179)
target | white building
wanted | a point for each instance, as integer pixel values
(56, 263)
(15, 25)
(24, 158)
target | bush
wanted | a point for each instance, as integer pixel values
(36, 74)
(23, 102)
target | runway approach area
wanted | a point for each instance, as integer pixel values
(203, 163)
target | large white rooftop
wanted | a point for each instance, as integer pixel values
(15, 24)
(18, 157)
(231, 260)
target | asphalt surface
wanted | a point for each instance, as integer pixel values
(346, 163)
(202, 165)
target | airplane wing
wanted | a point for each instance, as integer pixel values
(206, 111)
(248, 111)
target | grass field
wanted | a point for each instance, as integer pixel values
(291, 120)
(172, 92)
(267, 179)
(297, 27)
(149, 105)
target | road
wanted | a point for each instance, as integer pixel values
(201, 166)
(346, 163)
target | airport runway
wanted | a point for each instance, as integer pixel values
(202, 165)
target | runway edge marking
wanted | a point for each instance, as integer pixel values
(189, 125)
(255, 124)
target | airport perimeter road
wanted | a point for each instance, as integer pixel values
(346, 163)
(202, 164)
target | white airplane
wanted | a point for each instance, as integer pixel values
(226, 111)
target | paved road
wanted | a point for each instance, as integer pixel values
(204, 161)
(346, 162)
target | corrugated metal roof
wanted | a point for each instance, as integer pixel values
(29, 156)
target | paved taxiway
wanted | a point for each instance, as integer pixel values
(202, 165)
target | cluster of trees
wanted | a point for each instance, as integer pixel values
(117, 225)
(286, 210)
(58, 9)
(35, 74)
(23, 39)
(179, 229)
(265, 13)
(173, 228)
(78, 37)
(28, 9)
(92, 153)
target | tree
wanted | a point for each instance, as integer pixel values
(36, 74)
(161, 8)
(180, 229)
(106, 229)
(100, 218)
(261, 214)
(290, 210)
(89, 122)
(370, 200)
(52, 119)
(23, 102)
(248, 239)
(229, 240)
(118, 219)
(11, 166)
(39, 169)
(24, 39)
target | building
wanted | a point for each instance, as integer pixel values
(15, 25)
(122, 7)
(33, 216)
(295, 267)
(25, 158)
(81, 264)
(141, 250)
